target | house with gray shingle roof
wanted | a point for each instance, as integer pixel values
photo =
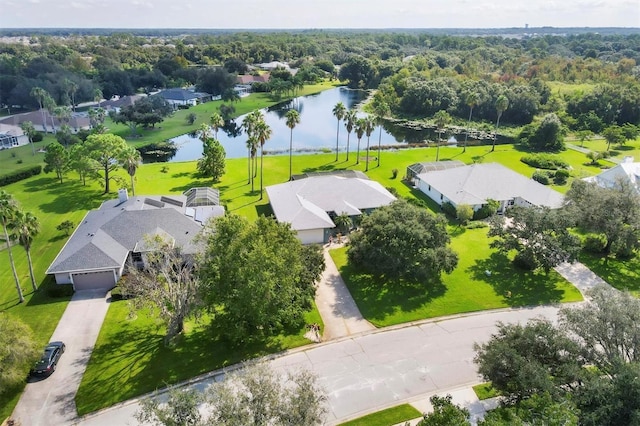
(110, 237)
(179, 96)
(476, 184)
(311, 204)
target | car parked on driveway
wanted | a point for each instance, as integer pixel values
(47, 363)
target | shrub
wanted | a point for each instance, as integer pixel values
(394, 173)
(561, 176)
(477, 224)
(544, 161)
(541, 177)
(19, 175)
(523, 262)
(449, 210)
(37, 137)
(595, 243)
(487, 210)
(393, 191)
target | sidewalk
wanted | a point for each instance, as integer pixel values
(337, 308)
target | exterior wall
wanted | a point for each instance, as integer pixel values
(63, 278)
(311, 236)
(431, 192)
(192, 102)
(521, 202)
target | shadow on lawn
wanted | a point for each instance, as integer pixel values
(67, 194)
(134, 361)
(323, 168)
(517, 287)
(378, 298)
(621, 274)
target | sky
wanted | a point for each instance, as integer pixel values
(304, 14)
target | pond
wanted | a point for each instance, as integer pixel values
(316, 131)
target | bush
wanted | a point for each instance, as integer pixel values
(449, 210)
(523, 262)
(417, 202)
(595, 243)
(394, 173)
(544, 161)
(37, 137)
(19, 175)
(118, 294)
(487, 210)
(541, 177)
(561, 177)
(476, 224)
(393, 191)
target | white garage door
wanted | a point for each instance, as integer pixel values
(94, 280)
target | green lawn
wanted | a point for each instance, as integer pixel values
(390, 416)
(130, 359)
(485, 391)
(468, 288)
(621, 274)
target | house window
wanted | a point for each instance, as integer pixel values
(441, 197)
(429, 187)
(136, 257)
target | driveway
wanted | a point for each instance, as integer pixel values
(50, 401)
(371, 371)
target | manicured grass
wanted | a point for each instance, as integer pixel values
(390, 416)
(485, 391)
(622, 274)
(468, 288)
(129, 358)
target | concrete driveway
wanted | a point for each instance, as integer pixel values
(50, 401)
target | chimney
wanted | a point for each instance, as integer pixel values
(123, 196)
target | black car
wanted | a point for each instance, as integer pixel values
(47, 363)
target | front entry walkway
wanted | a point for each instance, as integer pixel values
(339, 312)
(51, 401)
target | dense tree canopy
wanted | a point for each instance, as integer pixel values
(260, 278)
(18, 351)
(402, 241)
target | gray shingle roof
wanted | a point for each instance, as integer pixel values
(305, 203)
(105, 236)
(477, 183)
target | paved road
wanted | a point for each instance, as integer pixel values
(371, 371)
(51, 401)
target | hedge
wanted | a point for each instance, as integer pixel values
(544, 161)
(19, 175)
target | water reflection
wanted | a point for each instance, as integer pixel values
(316, 131)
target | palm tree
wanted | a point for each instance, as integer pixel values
(343, 222)
(472, 101)
(130, 160)
(349, 122)
(30, 131)
(71, 87)
(7, 212)
(26, 227)
(502, 103)
(381, 110)
(40, 94)
(442, 118)
(216, 121)
(50, 105)
(293, 118)
(369, 126)
(339, 110)
(360, 129)
(249, 123)
(97, 96)
(263, 133)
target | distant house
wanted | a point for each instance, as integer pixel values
(311, 204)
(12, 136)
(77, 122)
(627, 171)
(108, 238)
(244, 82)
(476, 184)
(418, 168)
(118, 103)
(179, 96)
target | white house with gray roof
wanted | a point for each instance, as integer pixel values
(476, 184)
(310, 204)
(97, 252)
